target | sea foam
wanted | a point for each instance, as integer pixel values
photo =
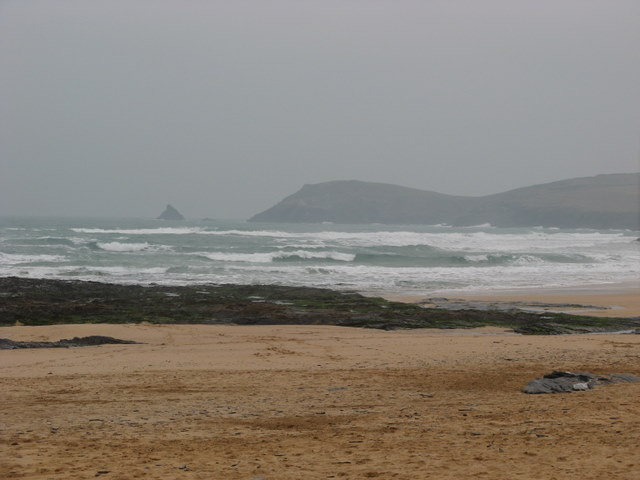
(366, 258)
(11, 258)
(127, 247)
(141, 231)
(277, 256)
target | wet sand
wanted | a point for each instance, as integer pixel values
(313, 402)
(617, 300)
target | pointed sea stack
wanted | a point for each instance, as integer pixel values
(170, 213)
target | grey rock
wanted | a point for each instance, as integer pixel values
(566, 382)
(623, 378)
(504, 306)
(546, 385)
(93, 340)
(579, 387)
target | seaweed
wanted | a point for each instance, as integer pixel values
(46, 301)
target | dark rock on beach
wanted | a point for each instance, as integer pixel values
(45, 302)
(566, 382)
(6, 344)
(530, 306)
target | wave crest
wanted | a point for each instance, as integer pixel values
(128, 247)
(298, 255)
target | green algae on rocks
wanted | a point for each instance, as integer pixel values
(46, 302)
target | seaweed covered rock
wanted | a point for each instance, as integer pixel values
(93, 340)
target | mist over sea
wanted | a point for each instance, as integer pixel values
(367, 258)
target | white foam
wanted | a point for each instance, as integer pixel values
(272, 256)
(481, 225)
(332, 255)
(257, 233)
(237, 257)
(536, 240)
(142, 231)
(125, 247)
(495, 258)
(476, 258)
(528, 260)
(13, 258)
(119, 270)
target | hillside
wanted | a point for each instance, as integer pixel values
(603, 201)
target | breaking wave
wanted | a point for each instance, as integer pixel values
(357, 257)
(141, 231)
(278, 256)
(13, 258)
(125, 247)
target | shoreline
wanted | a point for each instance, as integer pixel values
(615, 300)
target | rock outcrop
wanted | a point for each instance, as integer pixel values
(566, 382)
(93, 340)
(170, 213)
(32, 301)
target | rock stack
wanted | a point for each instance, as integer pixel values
(170, 213)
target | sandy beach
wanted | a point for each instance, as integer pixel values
(314, 402)
(615, 300)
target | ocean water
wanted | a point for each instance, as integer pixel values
(370, 258)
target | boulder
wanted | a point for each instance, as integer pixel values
(566, 382)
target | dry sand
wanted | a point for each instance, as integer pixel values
(307, 402)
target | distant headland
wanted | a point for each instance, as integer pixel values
(601, 202)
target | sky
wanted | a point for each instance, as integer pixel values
(222, 108)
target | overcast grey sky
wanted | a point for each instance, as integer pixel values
(222, 108)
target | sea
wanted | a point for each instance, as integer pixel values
(372, 259)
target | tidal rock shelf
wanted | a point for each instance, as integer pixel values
(90, 341)
(45, 302)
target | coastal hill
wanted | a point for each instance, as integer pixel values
(603, 201)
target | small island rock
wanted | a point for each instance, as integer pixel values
(170, 213)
